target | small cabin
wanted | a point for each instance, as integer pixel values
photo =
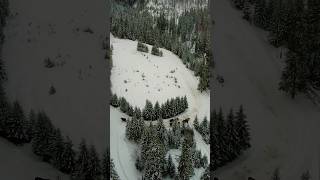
(123, 119)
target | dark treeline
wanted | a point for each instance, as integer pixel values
(155, 141)
(170, 108)
(229, 137)
(191, 32)
(294, 24)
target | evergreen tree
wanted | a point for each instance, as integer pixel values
(185, 167)
(16, 124)
(130, 111)
(137, 112)
(30, 131)
(276, 175)
(94, 170)
(114, 101)
(196, 123)
(113, 173)
(67, 163)
(206, 174)
(246, 11)
(242, 129)
(305, 176)
(154, 163)
(157, 111)
(124, 106)
(82, 164)
(148, 111)
(107, 166)
(4, 112)
(57, 149)
(260, 14)
(231, 138)
(171, 169)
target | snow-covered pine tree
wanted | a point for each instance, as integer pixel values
(157, 111)
(113, 173)
(4, 112)
(94, 170)
(276, 174)
(171, 169)
(57, 148)
(114, 101)
(80, 172)
(106, 166)
(196, 123)
(124, 105)
(16, 125)
(246, 11)
(305, 176)
(231, 138)
(30, 125)
(130, 111)
(153, 163)
(197, 159)
(206, 174)
(162, 133)
(185, 167)
(204, 126)
(137, 112)
(259, 16)
(67, 163)
(242, 129)
(148, 111)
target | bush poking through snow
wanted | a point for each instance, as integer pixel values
(155, 51)
(88, 30)
(52, 90)
(142, 47)
(48, 63)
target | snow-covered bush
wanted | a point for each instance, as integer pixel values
(142, 47)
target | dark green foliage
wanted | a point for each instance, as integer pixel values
(114, 101)
(48, 63)
(94, 170)
(171, 169)
(228, 138)
(305, 176)
(52, 90)
(67, 161)
(142, 47)
(185, 167)
(155, 51)
(82, 164)
(206, 174)
(16, 125)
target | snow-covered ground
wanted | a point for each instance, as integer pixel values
(284, 131)
(139, 76)
(19, 163)
(39, 29)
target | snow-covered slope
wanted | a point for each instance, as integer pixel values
(19, 163)
(284, 131)
(40, 29)
(139, 76)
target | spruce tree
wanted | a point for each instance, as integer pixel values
(113, 173)
(4, 112)
(114, 101)
(94, 171)
(196, 123)
(242, 129)
(185, 167)
(106, 166)
(231, 138)
(67, 163)
(154, 162)
(206, 174)
(148, 111)
(260, 14)
(57, 148)
(16, 124)
(171, 169)
(82, 164)
(157, 111)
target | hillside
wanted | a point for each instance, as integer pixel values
(283, 130)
